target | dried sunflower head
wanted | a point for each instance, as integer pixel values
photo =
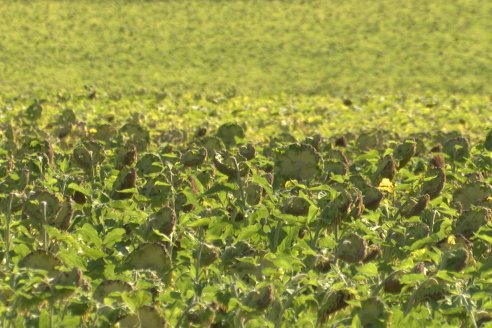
(351, 249)
(298, 161)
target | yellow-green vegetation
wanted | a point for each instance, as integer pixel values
(267, 47)
(213, 210)
(268, 116)
(245, 164)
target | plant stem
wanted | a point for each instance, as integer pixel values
(45, 234)
(277, 235)
(196, 280)
(314, 241)
(278, 320)
(185, 311)
(7, 232)
(92, 166)
(51, 313)
(434, 212)
(239, 180)
(340, 274)
(469, 309)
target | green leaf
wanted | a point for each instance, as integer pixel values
(142, 297)
(286, 244)
(356, 322)
(486, 238)
(109, 271)
(412, 278)
(369, 270)
(248, 232)
(261, 181)
(90, 235)
(444, 275)
(405, 264)
(199, 223)
(128, 191)
(327, 242)
(163, 236)
(92, 252)
(129, 301)
(302, 245)
(113, 237)
(71, 258)
(292, 219)
(70, 321)
(283, 261)
(21, 250)
(486, 266)
(221, 187)
(58, 235)
(421, 243)
(79, 188)
(44, 319)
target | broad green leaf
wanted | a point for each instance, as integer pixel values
(412, 278)
(247, 232)
(113, 237)
(369, 270)
(90, 235)
(486, 238)
(44, 319)
(79, 188)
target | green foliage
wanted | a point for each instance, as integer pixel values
(147, 226)
(247, 47)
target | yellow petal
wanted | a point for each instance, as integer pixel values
(386, 185)
(452, 240)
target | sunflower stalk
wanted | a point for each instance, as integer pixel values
(239, 180)
(52, 312)
(196, 280)
(317, 231)
(45, 234)
(7, 231)
(278, 228)
(288, 303)
(336, 268)
(469, 309)
(92, 165)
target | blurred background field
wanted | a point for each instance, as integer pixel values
(260, 47)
